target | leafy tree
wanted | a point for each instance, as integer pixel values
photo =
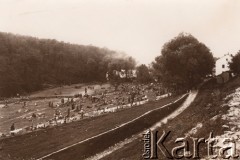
(184, 62)
(235, 64)
(143, 74)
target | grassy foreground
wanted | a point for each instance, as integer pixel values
(42, 142)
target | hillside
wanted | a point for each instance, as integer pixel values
(29, 64)
(215, 109)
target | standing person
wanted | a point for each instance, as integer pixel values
(68, 112)
(123, 101)
(6, 103)
(132, 97)
(34, 115)
(65, 119)
(49, 104)
(24, 104)
(85, 91)
(80, 105)
(73, 106)
(12, 128)
(82, 113)
(138, 90)
(32, 125)
(77, 109)
(129, 99)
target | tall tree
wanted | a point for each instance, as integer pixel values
(184, 62)
(143, 74)
(235, 64)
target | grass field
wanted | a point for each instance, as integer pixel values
(42, 142)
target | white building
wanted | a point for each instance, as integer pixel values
(222, 64)
(124, 74)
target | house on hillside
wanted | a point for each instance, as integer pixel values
(222, 69)
(222, 64)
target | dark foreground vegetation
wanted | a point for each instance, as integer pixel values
(29, 64)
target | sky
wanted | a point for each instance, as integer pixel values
(138, 28)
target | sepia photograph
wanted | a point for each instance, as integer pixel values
(119, 79)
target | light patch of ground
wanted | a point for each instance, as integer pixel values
(233, 118)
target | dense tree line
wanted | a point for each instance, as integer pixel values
(29, 64)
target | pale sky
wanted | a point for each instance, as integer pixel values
(137, 27)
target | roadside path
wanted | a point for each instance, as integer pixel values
(191, 97)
